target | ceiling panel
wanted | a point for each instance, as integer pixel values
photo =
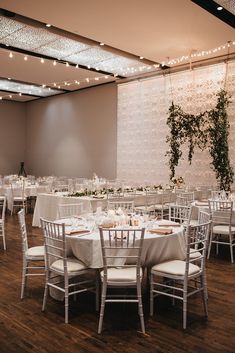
(159, 31)
(15, 97)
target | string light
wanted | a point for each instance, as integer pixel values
(129, 70)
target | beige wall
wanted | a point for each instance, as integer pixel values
(73, 134)
(12, 136)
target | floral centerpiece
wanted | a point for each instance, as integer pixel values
(177, 181)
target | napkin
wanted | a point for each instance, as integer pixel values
(162, 231)
(77, 231)
(107, 225)
(169, 225)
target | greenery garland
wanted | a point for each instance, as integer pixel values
(208, 129)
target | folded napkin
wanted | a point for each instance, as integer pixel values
(162, 231)
(77, 231)
(107, 225)
(169, 225)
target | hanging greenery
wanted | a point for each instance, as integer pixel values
(208, 129)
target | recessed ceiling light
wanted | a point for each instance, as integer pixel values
(48, 25)
(219, 8)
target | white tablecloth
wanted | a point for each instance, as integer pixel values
(196, 206)
(47, 205)
(156, 248)
(30, 190)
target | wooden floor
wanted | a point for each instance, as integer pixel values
(24, 328)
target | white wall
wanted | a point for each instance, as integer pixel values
(12, 136)
(142, 123)
(73, 134)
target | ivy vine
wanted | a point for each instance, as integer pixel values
(209, 129)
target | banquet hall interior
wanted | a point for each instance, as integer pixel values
(117, 184)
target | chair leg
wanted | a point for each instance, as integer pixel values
(185, 309)
(3, 236)
(97, 291)
(231, 247)
(140, 307)
(217, 246)
(66, 300)
(204, 294)
(23, 282)
(45, 294)
(151, 294)
(103, 298)
(209, 247)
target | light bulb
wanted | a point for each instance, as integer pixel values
(10, 55)
(42, 61)
(25, 58)
(54, 63)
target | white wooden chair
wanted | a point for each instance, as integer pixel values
(222, 230)
(121, 252)
(124, 205)
(181, 214)
(70, 210)
(19, 200)
(2, 220)
(33, 257)
(150, 202)
(220, 195)
(164, 201)
(61, 269)
(179, 277)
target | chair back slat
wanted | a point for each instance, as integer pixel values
(55, 242)
(124, 205)
(221, 211)
(3, 202)
(70, 210)
(121, 246)
(196, 241)
(23, 230)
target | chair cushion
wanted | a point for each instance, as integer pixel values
(36, 252)
(73, 265)
(223, 229)
(127, 274)
(175, 267)
(194, 254)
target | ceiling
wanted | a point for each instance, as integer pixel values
(158, 31)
